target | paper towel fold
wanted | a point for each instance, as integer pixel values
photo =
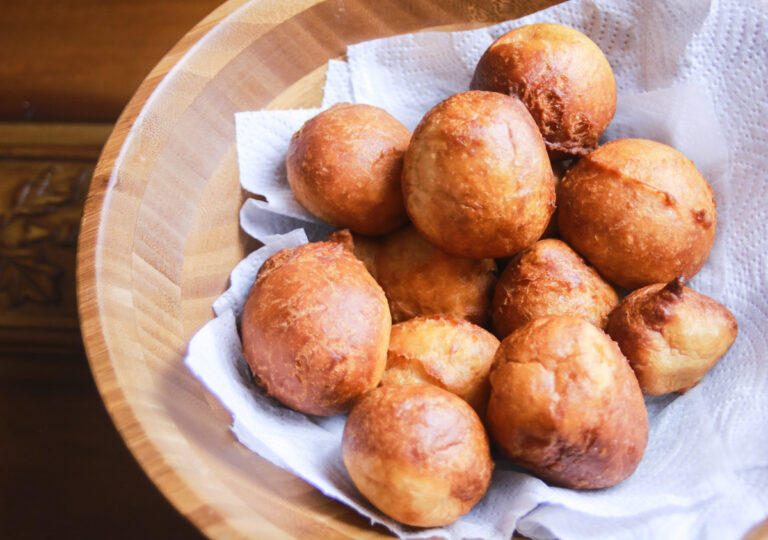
(692, 75)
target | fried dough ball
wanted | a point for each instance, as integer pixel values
(453, 354)
(344, 166)
(565, 404)
(550, 278)
(315, 328)
(671, 335)
(639, 211)
(418, 453)
(562, 77)
(477, 181)
(421, 279)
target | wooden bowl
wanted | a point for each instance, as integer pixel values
(160, 235)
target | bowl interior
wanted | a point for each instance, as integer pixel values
(160, 235)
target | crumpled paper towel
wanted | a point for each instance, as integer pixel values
(690, 74)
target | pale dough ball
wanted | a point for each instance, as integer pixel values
(671, 335)
(418, 453)
(477, 181)
(453, 354)
(566, 405)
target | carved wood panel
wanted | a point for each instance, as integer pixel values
(43, 183)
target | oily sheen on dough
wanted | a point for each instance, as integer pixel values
(477, 181)
(315, 328)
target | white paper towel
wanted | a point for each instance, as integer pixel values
(690, 74)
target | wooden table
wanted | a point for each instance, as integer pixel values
(64, 470)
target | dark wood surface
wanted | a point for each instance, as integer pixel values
(81, 60)
(64, 469)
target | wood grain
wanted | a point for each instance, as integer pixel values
(160, 236)
(758, 532)
(81, 60)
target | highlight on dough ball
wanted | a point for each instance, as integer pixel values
(562, 77)
(477, 181)
(549, 278)
(639, 211)
(315, 328)
(344, 166)
(418, 453)
(421, 279)
(566, 405)
(671, 335)
(450, 353)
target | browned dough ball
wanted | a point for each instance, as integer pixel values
(566, 405)
(562, 77)
(315, 328)
(420, 279)
(453, 354)
(418, 453)
(344, 165)
(671, 335)
(549, 278)
(639, 211)
(477, 181)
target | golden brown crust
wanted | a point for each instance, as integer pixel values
(477, 181)
(639, 211)
(316, 328)
(450, 353)
(550, 278)
(566, 405)
(563, 78)
(671, 335)
(344, 166)
(418, 453)
(363, 247)
(420, 279)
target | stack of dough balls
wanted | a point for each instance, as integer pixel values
(391, 320)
